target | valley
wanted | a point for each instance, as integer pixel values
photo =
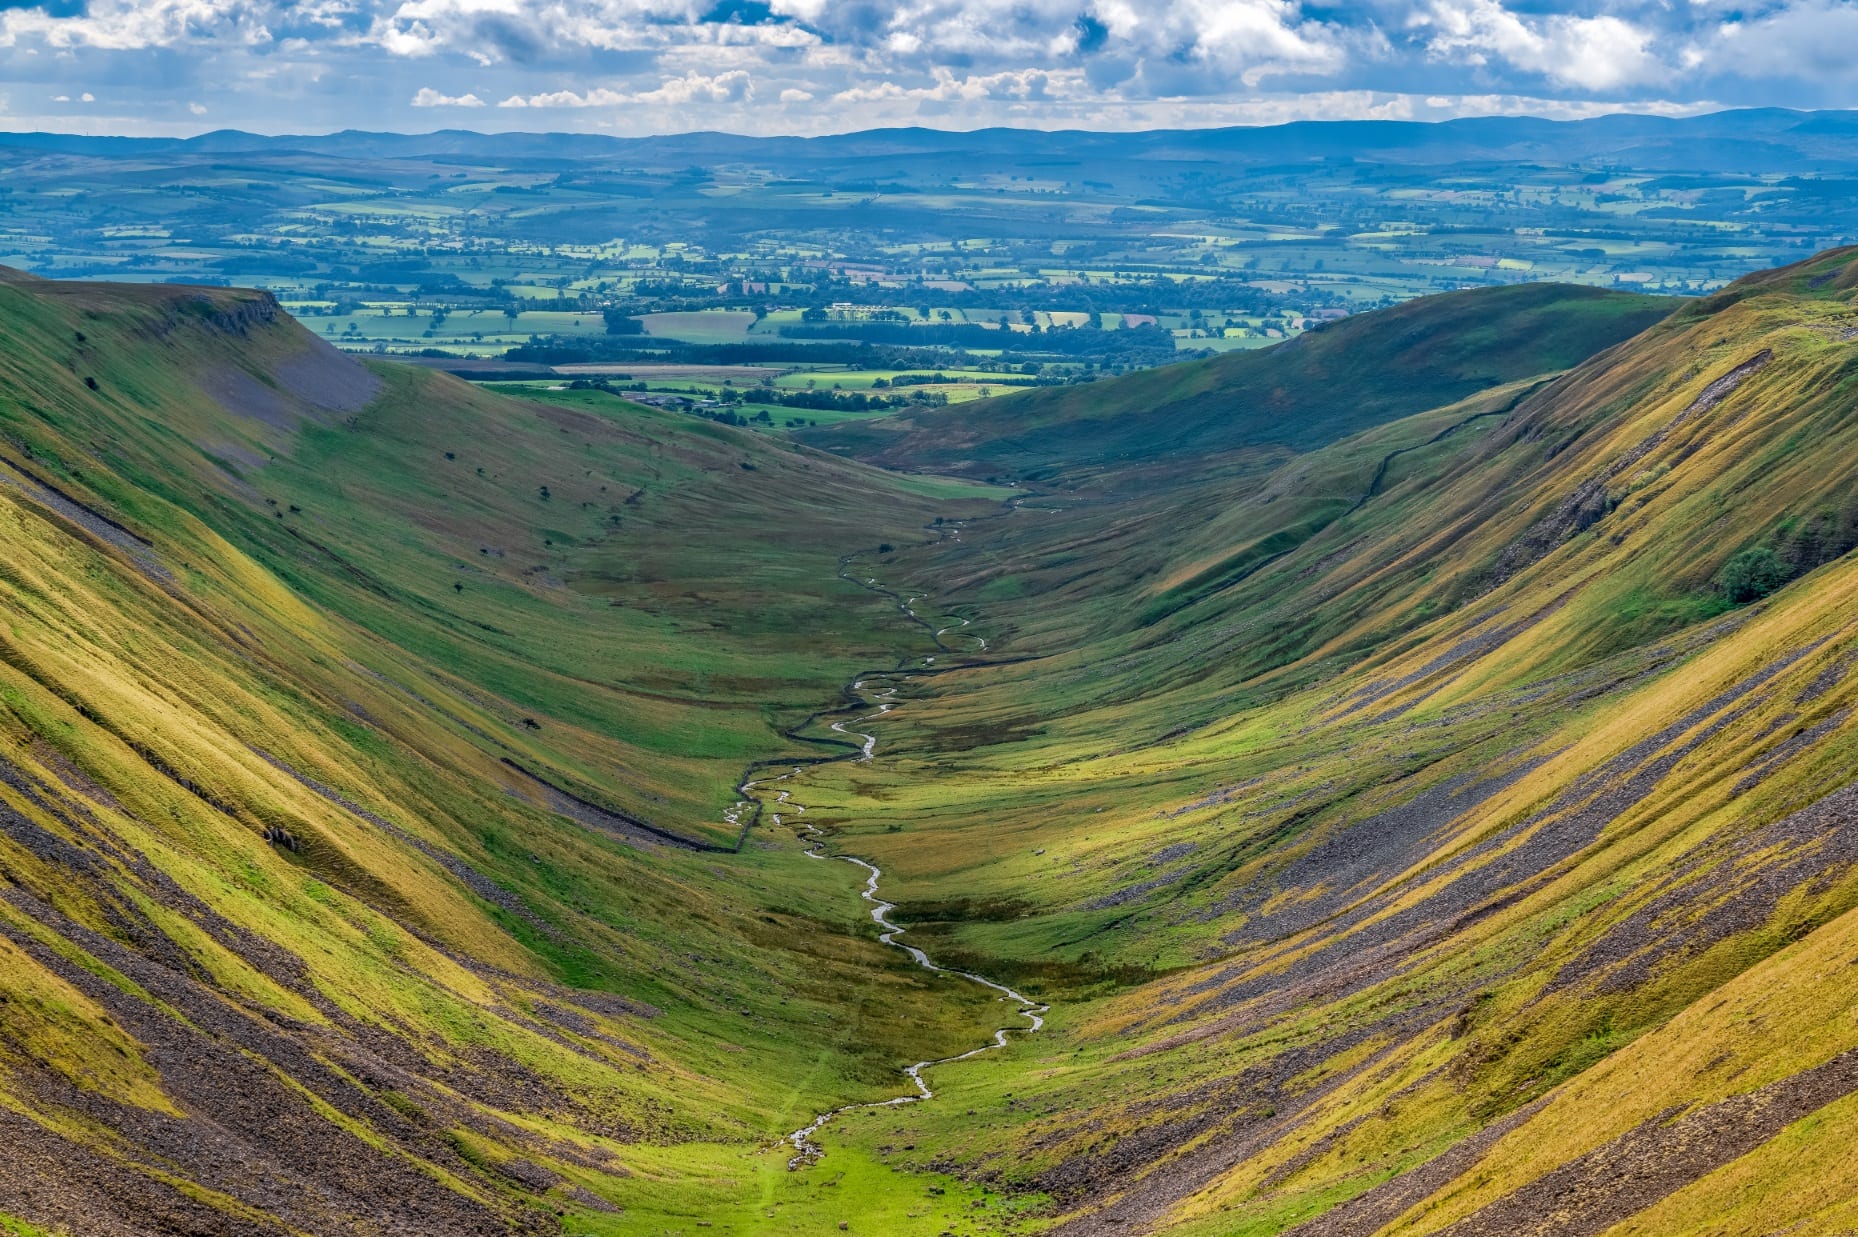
(1394, 781)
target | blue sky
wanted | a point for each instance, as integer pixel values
(815, 66)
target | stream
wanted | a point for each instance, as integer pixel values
(806, 1150)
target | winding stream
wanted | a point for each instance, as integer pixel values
(806, 1151)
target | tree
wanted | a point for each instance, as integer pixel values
(1751, 575)
(618, 322)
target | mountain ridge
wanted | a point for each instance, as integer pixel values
(1384, 137)
(1327, 383)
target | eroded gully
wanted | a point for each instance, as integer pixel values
(864, 744)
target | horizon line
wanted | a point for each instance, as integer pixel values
(927, 128)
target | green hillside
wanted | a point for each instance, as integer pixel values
(371, 746)
(1424, 807)
(1484, 846)
(1347, 377)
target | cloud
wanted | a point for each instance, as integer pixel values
(568, 98)
(135, 24)
(1440, 107)
(662, 65)
(734, 86)
(1027, 84)
(198, 109)
(1220, 39)
(1591, 53)
(497, 31)
(1811, 41)
(428, 97)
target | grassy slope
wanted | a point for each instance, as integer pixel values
(1456, 804)
(443, 975)
(556, 556)
(1355, 374)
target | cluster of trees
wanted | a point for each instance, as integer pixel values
(938, 378)
(1142, 291)
(1120, 349)
(564, 350)
(1132, 345)
(1792, 550)
(815, 399)
(847, 401)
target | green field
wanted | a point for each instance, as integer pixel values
(489, 246)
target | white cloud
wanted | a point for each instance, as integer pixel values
(1440, 107)
(428, 97)
(1591, 53)
(198, 109)
(734, 86)
(1813, 40)
(493, 31)
(1022, 85)
(1254, 38)
(121, 25)
(568, 98)
(651, 65)
(87, 97)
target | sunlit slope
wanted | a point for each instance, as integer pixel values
(287, 941)
(1481, 847)
(1325, 385)
(630, 581)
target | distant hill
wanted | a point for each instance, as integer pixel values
(1322, 386)
(1753, 140)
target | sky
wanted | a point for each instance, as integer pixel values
(636, 67)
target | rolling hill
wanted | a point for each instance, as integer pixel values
(1327, 384)
(1423, 805)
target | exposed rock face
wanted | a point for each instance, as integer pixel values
(1589, 501)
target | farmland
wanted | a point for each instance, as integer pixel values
(839, 261)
